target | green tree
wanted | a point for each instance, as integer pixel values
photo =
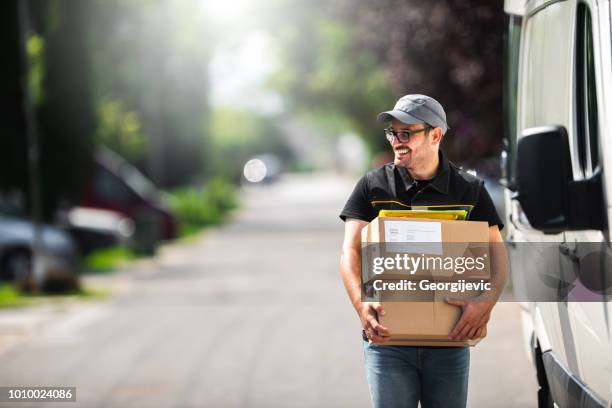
(59, 84)
(355, 58)
(451, 50)
(13, 144)
(325, 71)
(65, 111)
(121, 130)
(150, 74)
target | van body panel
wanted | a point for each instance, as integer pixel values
(516, 7)
(541, 334)
(592, 345)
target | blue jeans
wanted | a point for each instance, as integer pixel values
(401, 376)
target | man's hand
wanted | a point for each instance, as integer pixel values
(368, 314)
(475, 314)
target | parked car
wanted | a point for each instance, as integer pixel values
(118, 186)
(559, 192)
(94, 228)
(17, 239)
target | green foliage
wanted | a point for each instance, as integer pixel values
(354, 58)
(451, 50)
(35, 49)
(107, 259)
(223, 194)
(121, 129)
(237, 136)
(197, 208)
(153, 57)
(327, 73)
(10, 296)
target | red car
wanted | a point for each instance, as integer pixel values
(118, 186)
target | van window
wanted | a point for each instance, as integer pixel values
(511, 57)
(586, 94)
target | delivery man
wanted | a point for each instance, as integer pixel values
(420, 175)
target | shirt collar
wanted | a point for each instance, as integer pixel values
(439, 182)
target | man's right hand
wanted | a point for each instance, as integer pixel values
(376, 333)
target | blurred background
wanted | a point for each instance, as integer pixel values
(130, 128)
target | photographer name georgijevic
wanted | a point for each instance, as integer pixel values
(426, 285)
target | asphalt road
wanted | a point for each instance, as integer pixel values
(249, 315)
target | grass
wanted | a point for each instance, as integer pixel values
(107, 259)
(11, 297)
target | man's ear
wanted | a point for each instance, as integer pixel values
(436, 135)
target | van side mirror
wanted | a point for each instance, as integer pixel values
(552, 201)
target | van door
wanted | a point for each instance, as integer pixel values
(583, 316)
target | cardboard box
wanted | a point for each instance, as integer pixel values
(426, 319)
(425, 322)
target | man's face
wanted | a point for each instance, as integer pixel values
(419, 150)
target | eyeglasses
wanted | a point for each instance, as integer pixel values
(404, 135)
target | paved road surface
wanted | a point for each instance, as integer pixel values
(252, 315)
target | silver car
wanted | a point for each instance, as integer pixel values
(16, 241)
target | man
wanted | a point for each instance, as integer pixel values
(420, 175)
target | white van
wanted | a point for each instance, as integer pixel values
(558, 196)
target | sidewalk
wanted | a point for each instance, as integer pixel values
(19, 323)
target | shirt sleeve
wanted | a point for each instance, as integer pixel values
(485, 209)
(358, 205)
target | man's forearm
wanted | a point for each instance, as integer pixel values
(350, 271)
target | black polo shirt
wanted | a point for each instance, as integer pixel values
(391, 188)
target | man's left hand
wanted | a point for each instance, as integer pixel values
(474, 317)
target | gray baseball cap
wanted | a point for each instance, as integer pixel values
(413, 109)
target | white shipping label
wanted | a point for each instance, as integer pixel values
(413, 237)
